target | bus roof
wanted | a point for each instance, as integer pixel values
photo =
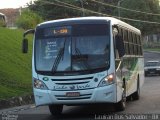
(1, 14)
(114, 21)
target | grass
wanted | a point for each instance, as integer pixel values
(15, 67)
(152, 49)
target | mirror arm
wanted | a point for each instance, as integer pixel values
(25, 41)
(115, 26)
(30, 31)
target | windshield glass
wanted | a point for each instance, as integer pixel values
(72, 48)
(148, 64)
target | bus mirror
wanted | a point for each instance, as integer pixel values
(30, 31)
(120, 46)
(25, 45)
(115, 31)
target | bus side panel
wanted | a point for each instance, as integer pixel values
(133, 67)
(119, 87)
(141, 71)
(34, 74)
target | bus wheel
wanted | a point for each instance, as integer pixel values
(145, 74)
(129, 98)
(136, 95)
(120, 106)
(56, 109)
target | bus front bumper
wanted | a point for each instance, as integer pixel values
(105, 94)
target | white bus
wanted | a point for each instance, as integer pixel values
(85, 60)
(3, 20)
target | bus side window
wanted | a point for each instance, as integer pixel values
(120, 45)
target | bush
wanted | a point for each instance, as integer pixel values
(28, 20)
(2, 23)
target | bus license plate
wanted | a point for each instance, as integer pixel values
(152, 72)
(72, 94)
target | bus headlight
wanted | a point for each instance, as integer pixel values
(39, 84)
(107, 80)
(145, 69)
(158, 69)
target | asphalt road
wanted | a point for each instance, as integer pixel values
(149, 103)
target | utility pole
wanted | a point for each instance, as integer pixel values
(119, 12)
(82, 6)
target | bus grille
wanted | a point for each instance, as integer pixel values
(153, 69)
(81, 97)
(71, 83)
(72, 79)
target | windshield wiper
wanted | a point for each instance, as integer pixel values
(59, 57)
(81, 57)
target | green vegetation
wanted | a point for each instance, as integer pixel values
(15, 67)
(149, 6)
(152, 49)
(28, 19)
(56, 9)
(2, 23)
(51, 12)
(151, 46)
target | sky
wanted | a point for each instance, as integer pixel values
(13, 3)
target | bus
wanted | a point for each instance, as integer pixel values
(3, 21)
(86, 60)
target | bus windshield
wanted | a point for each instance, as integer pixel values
(76, 48)
(149, 64)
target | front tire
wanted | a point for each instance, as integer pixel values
(121, 105)
(145, 74)
(136, 95)
(56, 110)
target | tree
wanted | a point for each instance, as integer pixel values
(28, 19)
(49, 11)
(149, 6)
(2, 23)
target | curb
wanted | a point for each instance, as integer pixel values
(17, 101)
(151, 51)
